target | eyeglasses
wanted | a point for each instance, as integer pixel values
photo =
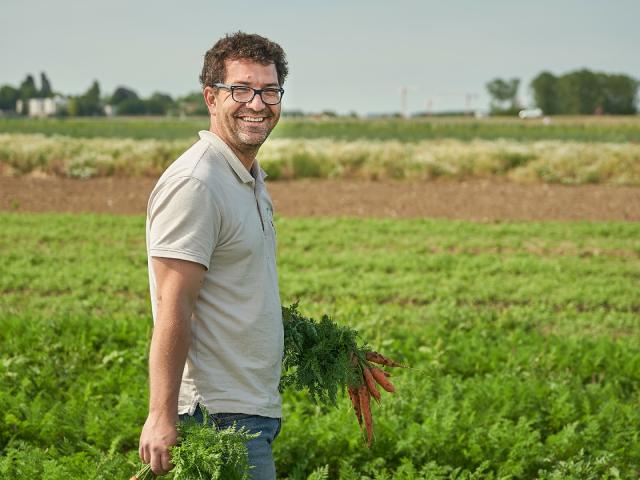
(244, 94)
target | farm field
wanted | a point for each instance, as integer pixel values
(565, 150)
(523, 331)
(523, 337)
(552, 161)
(584, 129)
(482, 200)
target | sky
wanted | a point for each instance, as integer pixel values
(345, 56)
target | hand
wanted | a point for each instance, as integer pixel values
(158, 434)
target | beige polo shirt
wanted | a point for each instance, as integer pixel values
(207, 208)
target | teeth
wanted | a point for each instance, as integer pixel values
(252, 119)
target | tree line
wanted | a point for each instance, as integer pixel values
(123, 101)
(580, 92)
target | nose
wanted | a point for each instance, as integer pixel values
(256, 103)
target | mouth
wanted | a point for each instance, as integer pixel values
(252, 119)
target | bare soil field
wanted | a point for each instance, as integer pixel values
(474, 200)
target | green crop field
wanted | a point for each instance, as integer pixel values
(523, 337)
(583, 129)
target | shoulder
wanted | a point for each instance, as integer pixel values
(200, 163)
(208, 165)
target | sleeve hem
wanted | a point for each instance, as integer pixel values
(179, 255)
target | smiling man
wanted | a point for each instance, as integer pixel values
(218, 335)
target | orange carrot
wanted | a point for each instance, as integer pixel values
(375, 357)
(371, 384)
(381, 378)
(355, 401)
(365, 406)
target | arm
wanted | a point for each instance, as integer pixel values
(178, 283)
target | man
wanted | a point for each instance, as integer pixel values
(218, 336)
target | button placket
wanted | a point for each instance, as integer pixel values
(256, 195)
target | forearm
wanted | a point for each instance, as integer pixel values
(167, 356)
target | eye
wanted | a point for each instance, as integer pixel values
(241, 94)
(241, 89)
(271, 93)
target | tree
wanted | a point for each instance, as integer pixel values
(157, 104)
(134, 106)
(121, 94)
(580, 92)
(193, 104)
(89, 103)
(73, 108)
(8, 97)
(28, 88)
(45, 86)
(93, 94)
(160, 104)
(545, 93)
(503, 95)
(620, 94)
(583, 92)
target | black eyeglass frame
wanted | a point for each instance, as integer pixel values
(256, 91)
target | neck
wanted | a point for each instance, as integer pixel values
(246, 156)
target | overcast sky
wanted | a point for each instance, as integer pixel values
(343, 55)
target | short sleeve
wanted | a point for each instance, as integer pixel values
(184, 221)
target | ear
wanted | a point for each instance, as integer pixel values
(210, 99)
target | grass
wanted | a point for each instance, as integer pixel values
(523, 337)
(581, 129)
(549, 161)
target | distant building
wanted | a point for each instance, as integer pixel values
(42, 107)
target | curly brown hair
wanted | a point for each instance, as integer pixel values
(237, 46)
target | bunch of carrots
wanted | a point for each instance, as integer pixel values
(361, 394)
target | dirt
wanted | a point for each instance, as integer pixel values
(473, 200)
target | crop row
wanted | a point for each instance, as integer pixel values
(523, 338)
(583, 129)
(540, 161)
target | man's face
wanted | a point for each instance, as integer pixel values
(245, 125)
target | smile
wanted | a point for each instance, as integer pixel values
(253, 119)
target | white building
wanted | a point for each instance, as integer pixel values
(42, 107)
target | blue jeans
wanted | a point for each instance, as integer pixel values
(260, 454)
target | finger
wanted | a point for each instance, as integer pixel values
(166, 461)
(144, 454)
(156, 463)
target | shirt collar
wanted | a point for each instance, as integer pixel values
(233, 161)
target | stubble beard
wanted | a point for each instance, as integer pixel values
(253, 136)
(251, 139)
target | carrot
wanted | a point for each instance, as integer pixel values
(381, 378)
(371, 384)
(355, 401)
(365, 406)
(376, 357)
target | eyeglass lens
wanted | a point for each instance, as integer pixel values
(246, 94)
